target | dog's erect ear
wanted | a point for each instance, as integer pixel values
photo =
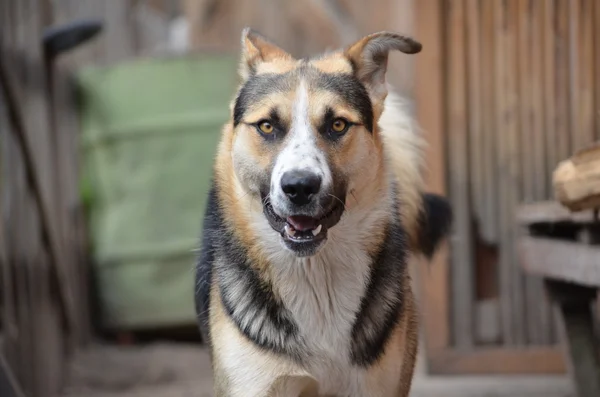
(257, 49)
(369, 57)
(435, 222)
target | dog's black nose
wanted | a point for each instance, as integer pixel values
(300, 186)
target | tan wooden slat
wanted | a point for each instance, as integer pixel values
(499, 115)
(506, 121)
(539, 313)
(500, 361)
(462, 261)
(488, 227)
(562, 103)
(429, 97)
(596, 39)
(561, 62)
(527, 93)
(574, 49)
(485, 304)
(536, 109)
(475, 146)
(512, 167)
(525, 98)
(548, 43)
(585, 99)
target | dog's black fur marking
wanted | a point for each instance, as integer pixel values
(247, 299)
(435, 222)
(383, 301)
(256, 88)
(204, 265)
(353, 91)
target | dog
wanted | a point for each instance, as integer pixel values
(317, 205)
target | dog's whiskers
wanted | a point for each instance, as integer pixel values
(338, 199)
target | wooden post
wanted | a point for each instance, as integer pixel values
(429, 96)
(580, 344)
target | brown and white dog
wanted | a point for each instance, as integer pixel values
(316, 208)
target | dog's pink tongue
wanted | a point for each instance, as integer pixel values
(302, 223)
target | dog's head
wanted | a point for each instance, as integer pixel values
(305, 133)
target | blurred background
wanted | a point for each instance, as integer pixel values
(110, 112)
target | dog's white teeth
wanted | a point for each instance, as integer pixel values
(317, 230)
(290, 230)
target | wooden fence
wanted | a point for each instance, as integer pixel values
(520, 91)
(44, 312)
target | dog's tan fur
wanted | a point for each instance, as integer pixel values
(390, 156)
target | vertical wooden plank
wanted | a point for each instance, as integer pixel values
(462, 261)
(574, 127)
(585, 104)
(499, 113)
(536, 303)
(536, 110)
(525, 92)
(512, 168)
(562, 103)
(547, 109)
(484, 296)
(561, 65)
(527, 133)
(489, 223)
(549, 43)
(596, 39)
(508, 170)
(430, 101)
(473, 34)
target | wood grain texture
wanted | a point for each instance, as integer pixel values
(489, 223)
(596, 66)
(562, 65)
(586, 74)
(500, 361)
(502, 111)
(474, 103)
(462, 260)
(551, 211)
(562, 260)
(430, 108)
(537, 305)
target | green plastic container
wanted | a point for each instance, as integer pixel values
(150, 130)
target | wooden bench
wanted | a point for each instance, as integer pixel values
(564, 249)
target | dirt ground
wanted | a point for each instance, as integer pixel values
(183, 370)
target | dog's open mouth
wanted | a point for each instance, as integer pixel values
(304, 234)
(301, 227)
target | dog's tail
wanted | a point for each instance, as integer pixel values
(426, 217)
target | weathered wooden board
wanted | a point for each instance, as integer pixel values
(462, 269)
(562, 260)
(489, 222)
(551, 212)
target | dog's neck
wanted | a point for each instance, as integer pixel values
(344, 299)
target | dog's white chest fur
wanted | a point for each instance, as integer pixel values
(324, 295)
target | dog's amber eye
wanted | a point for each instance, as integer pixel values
(266, 127)
(339, 125)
